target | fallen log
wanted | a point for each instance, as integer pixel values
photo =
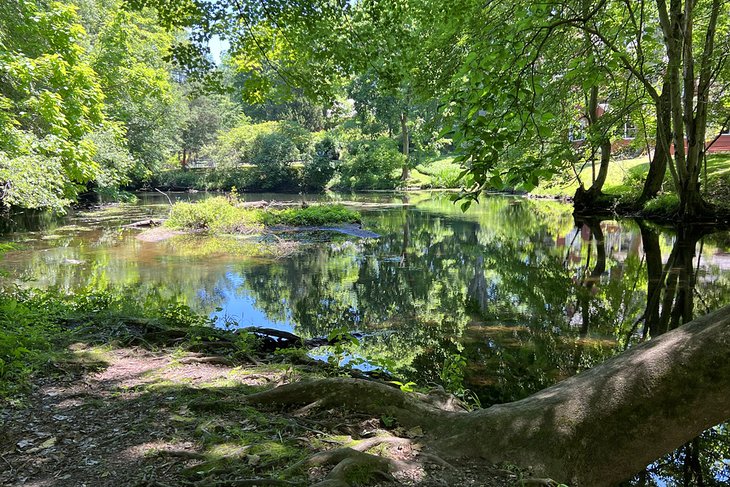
(144, 224)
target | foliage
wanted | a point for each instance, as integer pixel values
(114, 161)
(207, 115)
(371, 165)
(233, 147)
(128, 53)
(27, 336)
(405, 387)
(274, 149)
(223, 215)
(273, 156)
(320, 169)
(313, 215)
(50, 100)
(442, 172)
(215, 214)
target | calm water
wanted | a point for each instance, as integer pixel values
(502, 300)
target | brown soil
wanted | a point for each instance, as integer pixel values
(112, 427)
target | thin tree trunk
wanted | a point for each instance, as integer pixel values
(406, 173)
(588, 198)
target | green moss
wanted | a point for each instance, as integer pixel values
(361, 475)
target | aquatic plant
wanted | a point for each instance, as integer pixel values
(226, 215)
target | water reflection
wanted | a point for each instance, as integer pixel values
(503, 300)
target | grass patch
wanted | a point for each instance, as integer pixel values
(664, 206)
(315, 215)
(225, 215)
(626, 180)
(438, 173)
(618, 172)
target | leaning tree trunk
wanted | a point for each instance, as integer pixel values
(588, 199)
(596, 429)
(659, 163)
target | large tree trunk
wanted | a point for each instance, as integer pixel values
(689, 96)
(596, 429)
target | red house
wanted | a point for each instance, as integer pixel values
(721, 144)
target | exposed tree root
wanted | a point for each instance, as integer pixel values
(243, 482)
(211, 359)
(352, 465)
(597, 428)
(365, 445)
(365, 396)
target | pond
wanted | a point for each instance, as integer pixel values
(496, 302)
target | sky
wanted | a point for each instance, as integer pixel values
(217, 46)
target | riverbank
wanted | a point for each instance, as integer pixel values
(157, 401)
(625, 181)
(437, 173)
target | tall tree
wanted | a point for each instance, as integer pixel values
(50, 101)
(129, 52)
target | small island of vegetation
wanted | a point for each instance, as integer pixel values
(227, 215)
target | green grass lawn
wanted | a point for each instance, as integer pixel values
(440, 172)
(618, 171)
(626, 177)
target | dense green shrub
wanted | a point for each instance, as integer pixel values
(273, 156)
(216, 214)
(225, 179)
(180, 179)
(232, 148)
(224, 215)
(371, 164)
(322, 166)
(258, 157)
(314, 215)
(27, 334)
(443, 173)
